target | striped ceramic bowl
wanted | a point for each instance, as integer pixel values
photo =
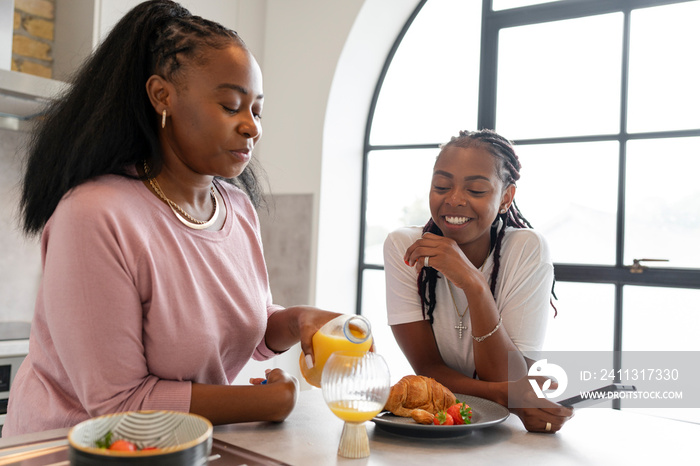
(178, 438)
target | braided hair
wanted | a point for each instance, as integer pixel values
(104, 124)
(508, 170)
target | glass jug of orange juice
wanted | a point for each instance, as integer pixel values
(348, 332)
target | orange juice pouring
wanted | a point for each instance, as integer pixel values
(344, 333)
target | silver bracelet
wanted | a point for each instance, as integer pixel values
(498, 325)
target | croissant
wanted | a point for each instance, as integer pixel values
(422, 416)
(418, 392)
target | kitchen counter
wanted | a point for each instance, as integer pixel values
(595, 436)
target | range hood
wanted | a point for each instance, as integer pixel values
(24, 96)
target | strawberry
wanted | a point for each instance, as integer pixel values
(123, 445)
(461, 413)
(443, 419)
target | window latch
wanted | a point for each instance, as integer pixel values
(637, 267)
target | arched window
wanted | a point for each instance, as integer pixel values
(600, 98)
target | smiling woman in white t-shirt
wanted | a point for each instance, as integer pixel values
(474, 284)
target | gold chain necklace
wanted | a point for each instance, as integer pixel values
(179, 212)
(460, 328)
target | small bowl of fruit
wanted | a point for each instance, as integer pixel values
(141, 438)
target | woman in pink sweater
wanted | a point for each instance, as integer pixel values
(154, 292)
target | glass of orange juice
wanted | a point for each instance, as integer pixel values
(355, 386)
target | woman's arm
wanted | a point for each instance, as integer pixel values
(490, 354)
(273, 401)
(417, 341)
(295, 324)
(404, 251)
(226, 404)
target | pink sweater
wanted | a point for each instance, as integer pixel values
(134, 306)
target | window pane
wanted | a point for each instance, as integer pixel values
(569, 193)
(585, 319)
(660, 319)
(508, 4)
(398, 183)
(664, 68)
(560, 78)
(662, 217)
(431, 88)
(374, 308)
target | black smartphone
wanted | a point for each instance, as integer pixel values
(596, 396)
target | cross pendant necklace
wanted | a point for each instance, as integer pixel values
(460, 328)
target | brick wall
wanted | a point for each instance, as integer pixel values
(33, 35)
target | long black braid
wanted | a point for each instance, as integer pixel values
(509, 173)
(105, 123)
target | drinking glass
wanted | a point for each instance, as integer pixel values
(355, 386)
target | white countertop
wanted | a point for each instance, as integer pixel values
(595, 436)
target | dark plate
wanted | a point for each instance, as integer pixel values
(485, 413)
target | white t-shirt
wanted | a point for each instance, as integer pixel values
(523, 290)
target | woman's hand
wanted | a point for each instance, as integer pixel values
(272, 401)
(310, 320)
(260, 380)
(536, 414)
(444, 255)
(285, 389)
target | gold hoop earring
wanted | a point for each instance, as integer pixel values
(162, 121)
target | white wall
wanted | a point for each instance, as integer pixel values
(7, 8)
(302, 43)
(228, 13)
(345, 117)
